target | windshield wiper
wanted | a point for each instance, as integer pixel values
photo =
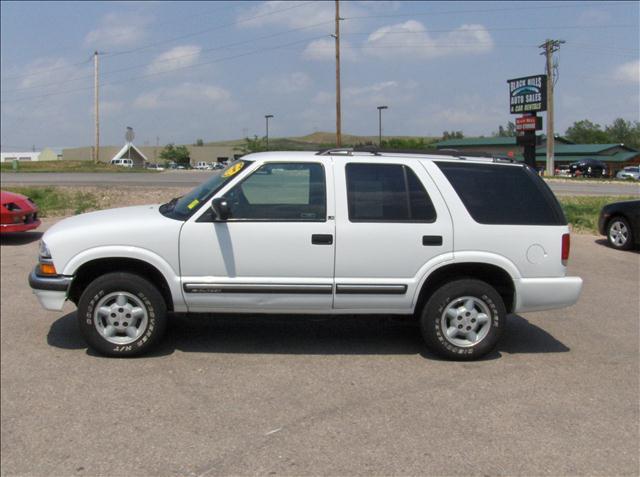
(169, 206)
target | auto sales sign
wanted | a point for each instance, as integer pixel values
(528, 95)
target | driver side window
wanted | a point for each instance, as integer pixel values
(281, 192)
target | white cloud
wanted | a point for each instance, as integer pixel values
(628, 72)
(367, 96)
(186, 95)
(285, 84)
(47, 71)
(118, 30)
(324, 49)
(177, 57)
(296, 14)
(411, 39)
(593, 16)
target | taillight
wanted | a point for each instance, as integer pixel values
(566, 245)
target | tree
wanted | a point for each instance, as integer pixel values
(199, 143)
(625, 132)
(405, 143)
(177, 154)
(586, 132)
(509, 131)
(452, 135)
(253, 145)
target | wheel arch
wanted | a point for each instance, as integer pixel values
(494, 275)
(89, 271)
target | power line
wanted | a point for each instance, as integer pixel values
(490, 10)
(200, 32)
(253, 52)
(172, 59)
(152, 45)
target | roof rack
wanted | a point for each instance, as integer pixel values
(344, 151)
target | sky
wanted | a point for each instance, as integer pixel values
(179, 71)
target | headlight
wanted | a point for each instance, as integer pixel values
(44, 252)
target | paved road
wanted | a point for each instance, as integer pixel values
(193, 178)
(319, 396)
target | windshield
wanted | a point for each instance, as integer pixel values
(181, 208)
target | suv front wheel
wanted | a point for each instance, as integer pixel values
(121, 314)
(463, 319)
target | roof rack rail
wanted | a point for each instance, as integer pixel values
(432, 152)
(335, 150)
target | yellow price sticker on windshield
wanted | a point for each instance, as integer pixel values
(233, 169)
(193, 203)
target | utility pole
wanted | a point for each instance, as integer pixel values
(338, 112)
(380, 108)
(266, 117)
(549, 48)
(96, 154)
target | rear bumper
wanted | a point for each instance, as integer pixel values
(537, 294)
(50, 291)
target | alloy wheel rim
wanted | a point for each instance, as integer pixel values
(618, 233)
(120, 318)
(466, 321)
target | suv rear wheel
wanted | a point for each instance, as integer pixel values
(463, 319)
(121, 314)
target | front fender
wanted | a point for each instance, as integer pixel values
(171, 276)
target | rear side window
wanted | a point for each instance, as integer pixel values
(386, 193)
(502, 194)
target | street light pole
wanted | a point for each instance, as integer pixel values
(266, 117)
(380, 108)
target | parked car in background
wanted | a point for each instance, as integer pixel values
(218, 165)
(589, 168)
(17, 213)
(563, 171)
(202, 166)
(620, 222)
(630, 172)
(122, 162)
(155, 167)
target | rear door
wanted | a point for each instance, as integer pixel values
(391, 226)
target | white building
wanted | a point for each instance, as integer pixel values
(47, 154)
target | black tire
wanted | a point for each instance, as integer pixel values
(433, 319)
(138, 291)
(621, 224)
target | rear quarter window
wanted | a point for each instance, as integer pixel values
(503, 194)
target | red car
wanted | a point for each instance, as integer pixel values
(17, 213)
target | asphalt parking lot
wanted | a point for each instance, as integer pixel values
(298, 395)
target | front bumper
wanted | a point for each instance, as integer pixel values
(20, 226)
(537, 294)
(51, 291)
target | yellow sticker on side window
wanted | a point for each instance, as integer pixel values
(193, 203)
(233, 169)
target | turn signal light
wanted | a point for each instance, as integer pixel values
(47, 269)
(566, 245)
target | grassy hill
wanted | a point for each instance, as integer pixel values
(317, 140)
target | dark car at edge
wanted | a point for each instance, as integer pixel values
(620, 222)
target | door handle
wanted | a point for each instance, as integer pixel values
(322, 239)
(429, 240)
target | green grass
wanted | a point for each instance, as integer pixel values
(583, 211)
(67, 166)
(53, 201)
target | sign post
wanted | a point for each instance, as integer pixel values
(527, 96)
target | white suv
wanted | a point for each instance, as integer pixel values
(459, 242)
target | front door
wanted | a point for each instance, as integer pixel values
(276, 250)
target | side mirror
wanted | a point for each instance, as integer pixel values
(220, 208)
